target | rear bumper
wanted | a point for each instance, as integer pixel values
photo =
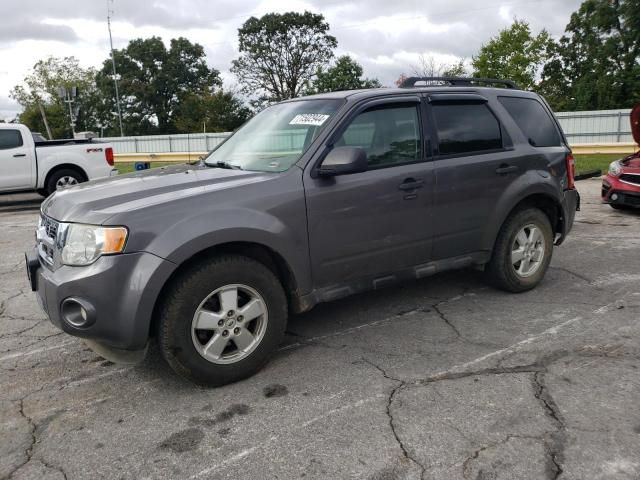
(570, 205)
(118, 292)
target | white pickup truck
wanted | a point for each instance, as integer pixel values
(27, 164)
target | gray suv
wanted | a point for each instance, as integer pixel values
(312, 200)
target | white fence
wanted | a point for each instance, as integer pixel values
(597, 126)
(601, 126)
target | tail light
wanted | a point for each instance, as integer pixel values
(108, 155)
(571, 171)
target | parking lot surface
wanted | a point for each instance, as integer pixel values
(445, 378)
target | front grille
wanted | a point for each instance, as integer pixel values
(633, 178)
(46, 238)
(51, 227)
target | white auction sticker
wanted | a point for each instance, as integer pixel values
(316, 119)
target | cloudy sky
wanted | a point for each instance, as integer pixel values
(386, 37)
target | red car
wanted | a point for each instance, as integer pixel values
(621, 186)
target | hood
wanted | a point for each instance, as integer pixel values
(635, 123)
(94, 202)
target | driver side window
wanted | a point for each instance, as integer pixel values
(390, 135)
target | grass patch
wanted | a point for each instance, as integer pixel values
(598, 161)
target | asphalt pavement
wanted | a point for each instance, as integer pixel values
(445, 378)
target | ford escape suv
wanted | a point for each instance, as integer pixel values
(314, 199)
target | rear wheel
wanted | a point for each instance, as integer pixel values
(221, 320)
(522, 252)
(63, 178)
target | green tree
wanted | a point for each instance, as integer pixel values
(596, 63)
(153, 81)
(40, 89)
(346, 74)
(220, 111)
(280, 54)
(514, 54)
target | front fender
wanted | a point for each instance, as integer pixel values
(530, 184)
(188, 236)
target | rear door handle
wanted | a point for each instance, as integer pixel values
(16, 155)
(503, 169)
(411, 184)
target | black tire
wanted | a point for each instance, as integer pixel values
(500, 271)
(43, 192)
(182, 300)
(64, 172)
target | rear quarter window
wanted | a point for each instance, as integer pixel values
(534, 121)
(10, 139)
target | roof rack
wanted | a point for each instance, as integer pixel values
(459, 82)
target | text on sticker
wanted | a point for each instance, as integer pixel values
(316, 119)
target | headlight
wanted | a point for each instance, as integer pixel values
(615, 169)
(84, 244)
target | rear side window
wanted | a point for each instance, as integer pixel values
(533, 120)
(10, 139)
(466, 128)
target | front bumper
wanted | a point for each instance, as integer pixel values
(119, 291)
(620, 193)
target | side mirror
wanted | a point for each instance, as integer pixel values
(342, 161)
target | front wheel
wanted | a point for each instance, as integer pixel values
(522, 252)
(221, 320)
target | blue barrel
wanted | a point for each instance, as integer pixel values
(142, 165)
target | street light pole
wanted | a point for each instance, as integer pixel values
(113, 62)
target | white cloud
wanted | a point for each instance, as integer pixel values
(386, 37)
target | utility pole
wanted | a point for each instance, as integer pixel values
(68, 95)
(44, 119)
(113, 62)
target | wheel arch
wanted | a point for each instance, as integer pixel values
(548, 204)
(256, 251)
(64, 166)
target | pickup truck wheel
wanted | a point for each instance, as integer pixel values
(221, 320)
(522, 252)
(62, 179)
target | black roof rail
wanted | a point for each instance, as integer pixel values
(459, 82)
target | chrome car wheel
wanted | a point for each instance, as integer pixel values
(66, 181)
(229, 324)
(527, 251)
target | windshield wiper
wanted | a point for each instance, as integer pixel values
(230, 166)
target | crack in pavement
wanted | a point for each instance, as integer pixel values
(588, 280)
(390, 399)
(555, 444)
(476, 453)
(436, 307)
(32, 430)
(55, 467)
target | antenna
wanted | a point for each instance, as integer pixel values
(113, 62)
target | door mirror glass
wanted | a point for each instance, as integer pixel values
(342, 161)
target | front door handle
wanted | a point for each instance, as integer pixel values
(411, 184)
(504, 169)
(16, 155)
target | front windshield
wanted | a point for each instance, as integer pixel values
(276, 138)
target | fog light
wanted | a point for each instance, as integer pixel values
(77, 312)
(614, 196)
